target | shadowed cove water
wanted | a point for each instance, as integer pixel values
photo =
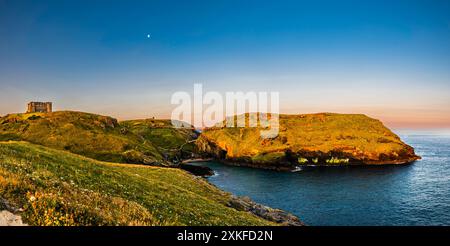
(416, 194)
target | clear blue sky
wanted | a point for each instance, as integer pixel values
(387, 59)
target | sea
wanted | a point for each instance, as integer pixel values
(397, 195)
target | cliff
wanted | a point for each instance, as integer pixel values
(153, 142)
(43, 183)
(309, 139)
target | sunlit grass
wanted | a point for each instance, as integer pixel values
(98, 137)
(55, 187)
(311, 139)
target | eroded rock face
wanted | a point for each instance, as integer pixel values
(271, 214)
(313, 139)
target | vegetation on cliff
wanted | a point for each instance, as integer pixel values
(309, 139)
(55, 187)
(172, 142)
(100, 137)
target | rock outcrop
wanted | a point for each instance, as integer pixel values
(271, 214)
(9, 219)
(308, 140)
(197, 170)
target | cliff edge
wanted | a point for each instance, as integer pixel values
(308, 140)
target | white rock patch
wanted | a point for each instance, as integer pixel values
(9, 219)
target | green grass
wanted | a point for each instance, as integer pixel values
(95, 136)
(167, 139)
(312, 138)
(55, 187)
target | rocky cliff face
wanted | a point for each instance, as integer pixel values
(313, 139)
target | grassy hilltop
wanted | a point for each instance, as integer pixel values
(54, 187)
(168, 140)
(310, 139)
(100, 137)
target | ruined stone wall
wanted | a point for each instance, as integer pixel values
(42, 107)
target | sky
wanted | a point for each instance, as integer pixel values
(387, 59)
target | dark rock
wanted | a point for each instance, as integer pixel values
(271, 214)
(123, 130)
(198, 170)
(4, 205)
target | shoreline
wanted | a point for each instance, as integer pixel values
(292, 168)
(194, 160)
(245, 203)
(246, 197)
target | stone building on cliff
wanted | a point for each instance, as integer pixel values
(41, 107)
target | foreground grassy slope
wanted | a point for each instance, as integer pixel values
(99, 137)
(323, 138)
(55, 187)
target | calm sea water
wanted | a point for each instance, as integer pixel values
(416, 194)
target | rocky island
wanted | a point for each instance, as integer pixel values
(326, 139)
